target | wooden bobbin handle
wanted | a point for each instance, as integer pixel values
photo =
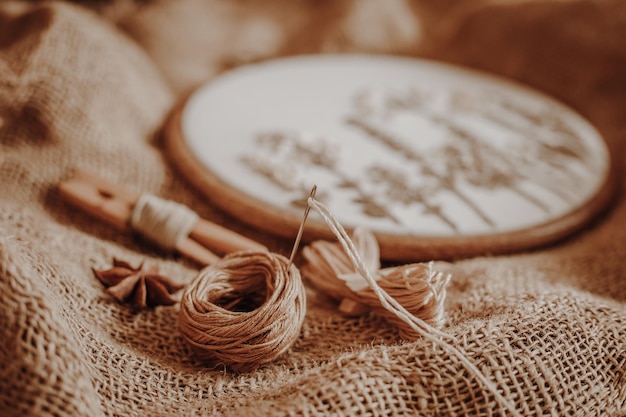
(213, 235)
(113, 203)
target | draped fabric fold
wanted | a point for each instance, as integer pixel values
(90, 84)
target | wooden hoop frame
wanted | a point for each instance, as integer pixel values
(397, 248)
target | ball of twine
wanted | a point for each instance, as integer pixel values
(244, 310)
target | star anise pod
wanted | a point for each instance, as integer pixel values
(141, 287)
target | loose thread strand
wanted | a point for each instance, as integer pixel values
(424, 329)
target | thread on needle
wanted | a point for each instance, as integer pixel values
(419, 326)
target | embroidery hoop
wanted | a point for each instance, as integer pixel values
(284, 221)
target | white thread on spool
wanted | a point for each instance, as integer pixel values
(165, 222)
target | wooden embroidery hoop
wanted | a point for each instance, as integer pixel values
(284, 222)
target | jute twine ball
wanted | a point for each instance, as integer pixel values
(244, 310)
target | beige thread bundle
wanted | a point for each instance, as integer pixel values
(417, 287)
(243, 311)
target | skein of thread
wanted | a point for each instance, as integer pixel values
(418, 287)
(244, 310)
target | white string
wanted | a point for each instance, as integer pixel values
(424, 329)
(165, 222)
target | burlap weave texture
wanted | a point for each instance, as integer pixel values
(91, 84)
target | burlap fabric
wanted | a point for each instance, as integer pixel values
(90, 84)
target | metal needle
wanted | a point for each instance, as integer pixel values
(301, 229)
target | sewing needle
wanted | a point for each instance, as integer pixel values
(301, 229)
